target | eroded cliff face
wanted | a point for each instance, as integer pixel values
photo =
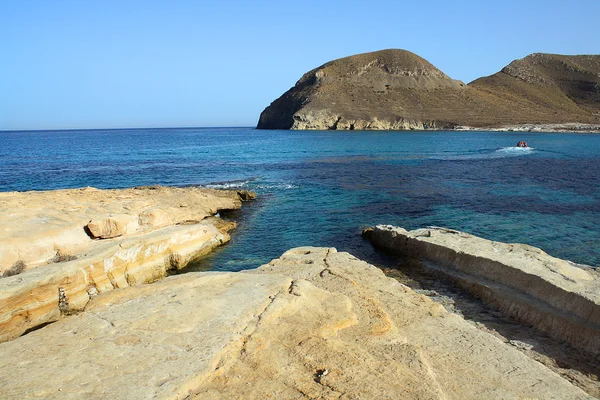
(74, 244)
(313, 323)
(527, 284)
(321, 120)
(398, 90)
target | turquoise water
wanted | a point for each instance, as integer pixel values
(322, 187)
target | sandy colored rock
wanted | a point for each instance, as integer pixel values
(314, 323)
(554, 295)
(155, 218)
(110, 227)
(33, 298)
(65, 267)
(35, 225)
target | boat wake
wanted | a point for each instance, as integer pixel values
(515, 151)
(488, 154)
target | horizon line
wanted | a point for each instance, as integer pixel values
(123, 129)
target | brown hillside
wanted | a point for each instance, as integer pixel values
(548, 88)
(396, 89)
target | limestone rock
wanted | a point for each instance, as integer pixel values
(109, 227)
(551, 294)
(246, 195)
(61, 267)
(155, 218)
(312, 324)
(35, 225)
(398, 90)
(32, 299)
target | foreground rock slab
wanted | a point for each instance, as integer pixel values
(554, 295)
(75, 244)
(314, 323)
(40, 226)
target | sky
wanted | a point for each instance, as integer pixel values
(137, 64)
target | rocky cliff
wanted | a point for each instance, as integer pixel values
(314, 324)
(398, 90)
(61, 248)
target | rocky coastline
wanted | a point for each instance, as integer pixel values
(549, 128)
(313, 323)
(59, 249)
(555, 296)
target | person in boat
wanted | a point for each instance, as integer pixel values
(522, 144)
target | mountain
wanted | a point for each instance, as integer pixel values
(545, 88)
(396, 89)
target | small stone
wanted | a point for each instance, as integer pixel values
(110, 227)
(63, 301)
(246, 195)
(92, 291)
(155, 218)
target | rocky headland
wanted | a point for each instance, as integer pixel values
(314, 323)
(59, 249)
(398, 90)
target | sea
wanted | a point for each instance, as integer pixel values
(321, 188)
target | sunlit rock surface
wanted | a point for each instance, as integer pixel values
(554, 295)
(314, 323)
(65, 261)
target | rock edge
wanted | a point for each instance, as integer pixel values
(527, 284)
(314, 323)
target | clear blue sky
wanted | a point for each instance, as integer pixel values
(109, 64)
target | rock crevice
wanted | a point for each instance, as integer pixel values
(285, 330)
(524, 282)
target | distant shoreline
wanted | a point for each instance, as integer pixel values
(123, 129)
(572, 127)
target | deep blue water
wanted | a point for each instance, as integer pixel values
(321, 188)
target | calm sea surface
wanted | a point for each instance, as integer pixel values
(321, 188)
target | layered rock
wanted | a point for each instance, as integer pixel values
(398, 90)
(314, 323)
(553, 295)
(36, 226)
(51, 234)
